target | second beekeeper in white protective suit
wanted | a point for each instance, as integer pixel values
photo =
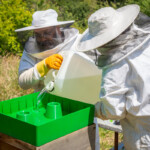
(123, 38)
(42, 41)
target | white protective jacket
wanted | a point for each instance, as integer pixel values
(125, 87)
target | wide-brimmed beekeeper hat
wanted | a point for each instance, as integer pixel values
(105, 25)
(43, 19)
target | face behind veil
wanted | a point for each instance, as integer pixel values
(42, 43)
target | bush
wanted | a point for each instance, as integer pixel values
(18, 13)
(13, 15)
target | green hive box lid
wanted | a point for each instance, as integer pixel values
(20, 120)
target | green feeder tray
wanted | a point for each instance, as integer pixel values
(56, 117)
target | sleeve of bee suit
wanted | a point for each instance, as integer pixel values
(28, 75)
(112, 104)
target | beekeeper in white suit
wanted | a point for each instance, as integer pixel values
(123, 38)
(49, 36)
(45, 38)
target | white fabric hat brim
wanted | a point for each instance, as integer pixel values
(44, 26)
(88, 42)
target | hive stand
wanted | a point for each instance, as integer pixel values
(83, 139)
(112, 127)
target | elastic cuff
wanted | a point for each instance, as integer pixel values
(99, 111)
(42, 68)
(36, 74)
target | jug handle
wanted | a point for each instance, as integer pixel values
(54, 74)
(50, 85)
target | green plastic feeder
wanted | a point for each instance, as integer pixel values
(56, 117)
(53, 110)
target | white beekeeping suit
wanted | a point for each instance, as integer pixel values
(28, 77)
(34, 53)
(45, 37)
(125, 85)
(125, 63)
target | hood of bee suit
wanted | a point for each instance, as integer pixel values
(129, 41)
(32, 48)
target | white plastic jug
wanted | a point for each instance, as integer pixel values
(78, 78)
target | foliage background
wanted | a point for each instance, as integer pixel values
(13, 15)
(16, 14)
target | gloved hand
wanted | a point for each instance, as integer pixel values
(52, 62)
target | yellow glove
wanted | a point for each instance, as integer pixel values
(52, 62)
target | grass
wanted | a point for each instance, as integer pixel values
(107, 139)
(9, 88)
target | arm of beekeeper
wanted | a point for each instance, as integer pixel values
(31, 73)
(27, 77)
(112, 104)
(52, 62)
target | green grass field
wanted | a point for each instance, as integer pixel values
(9, 88)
